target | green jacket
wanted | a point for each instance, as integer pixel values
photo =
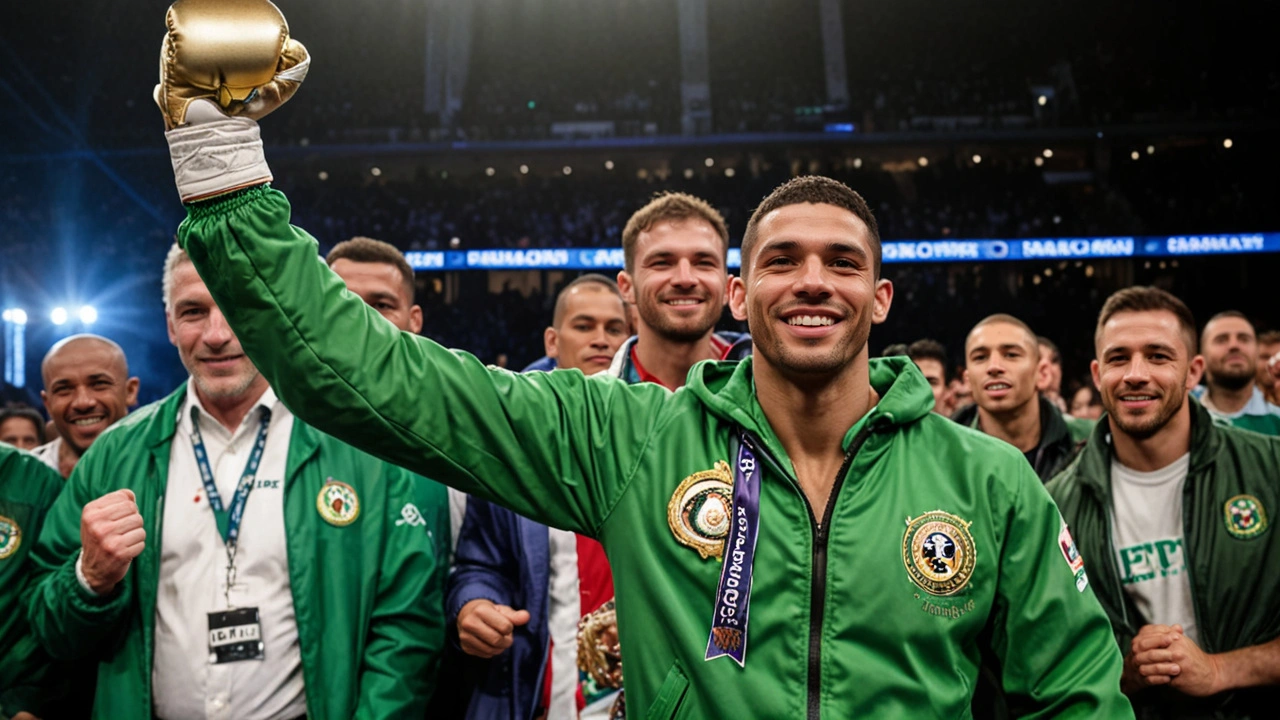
(1235, 588)
(367, 596)
(838, 627)
(27, 490)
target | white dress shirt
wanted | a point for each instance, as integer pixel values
(193, 576)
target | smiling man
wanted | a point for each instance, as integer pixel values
(87, 388)
(1002, 363)
(1173, 513)
(878, 541)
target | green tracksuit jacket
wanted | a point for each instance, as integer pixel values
(1232, 558)
(368, 596)
(838, 628)
(27, 490)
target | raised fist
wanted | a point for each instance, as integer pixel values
(485, 629)
(111, 536)
(236, 54)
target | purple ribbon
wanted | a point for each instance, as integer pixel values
(733, 596)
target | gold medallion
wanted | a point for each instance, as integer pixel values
(10, 537)
(699, 510)
(938, 552)
(338, 503)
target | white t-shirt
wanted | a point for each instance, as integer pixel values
(1147, 526)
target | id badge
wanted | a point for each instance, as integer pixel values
(235, 635)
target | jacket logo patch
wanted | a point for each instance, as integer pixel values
(1074, 561)
(938, 552)
(1245, 516)
(338, 503)
(411, 516)
(699, 510)
(10, 537)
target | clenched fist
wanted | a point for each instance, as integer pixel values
(111, 536)
(485, 629)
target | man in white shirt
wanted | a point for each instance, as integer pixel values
(87, 389)
(235, 563)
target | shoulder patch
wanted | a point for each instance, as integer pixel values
(1245, 517)
(1067, 545)
(10, 537)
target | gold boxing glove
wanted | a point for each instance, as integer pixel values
(236, 54)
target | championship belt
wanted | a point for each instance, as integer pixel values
(599, 655)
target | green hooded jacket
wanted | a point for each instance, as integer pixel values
(27, 490)
(1235, 586)
(838, 627)
(367, 596)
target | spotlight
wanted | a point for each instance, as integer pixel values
(88, 314)
(524, 169)
(1134, 155)
(375, 171)
(17, 316)
(608, 164)
(924, 161)
(730, 172)
(688, 173)
(567, 170)
(977, 159)
(323, 175)
(490, 171)
(857, 163)
(1227, 143)
(1151, 149)
(1047, 153)
(58, 316)
(709, 162)
(1039, 162)
(1042, 101)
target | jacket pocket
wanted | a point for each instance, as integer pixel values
(670, 695)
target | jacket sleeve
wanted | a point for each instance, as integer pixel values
(557, 447)
(406, 629)
(68, 620)
(487, 562)
(1057, 654)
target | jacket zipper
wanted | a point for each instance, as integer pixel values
(818, 591)
(1191, 578)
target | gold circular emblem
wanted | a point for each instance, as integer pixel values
(938, 552)
(338, 503)
(699, 510)
(1245, 516)
(10, 537)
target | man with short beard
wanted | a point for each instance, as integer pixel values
(215, 556)
(1268, 371)
(675, 253)
(1230, 393)
(87, 389)
(1173, 513)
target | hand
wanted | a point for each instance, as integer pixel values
(1149, 662)
(247, 73)
(24, 715)
(111, 536)
(1200, 674)
(485, 629)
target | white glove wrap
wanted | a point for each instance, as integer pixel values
(212, 158)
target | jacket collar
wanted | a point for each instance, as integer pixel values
(1053, 428)
(1094, 470)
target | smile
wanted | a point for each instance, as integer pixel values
(810, 320)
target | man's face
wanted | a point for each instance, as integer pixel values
(1266, 351)
(1049, 372)
(1002, 367)
(1144, 370)
(382, 287)
(1082, 407)
(678, 284)
(592, 329)
(87, 389)
(934, 373)
(208, 348)
(811, 294)
(1230, 353)
(20, 432)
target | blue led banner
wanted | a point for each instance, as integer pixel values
(898, 251)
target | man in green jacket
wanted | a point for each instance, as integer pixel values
(27, 491)
(220, 558)
(892, 546)
(1173, 513)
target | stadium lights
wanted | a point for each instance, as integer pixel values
(1039, 162)
(88, 314)
(642, 173)
(1151, 149)
(1227, 143)
(455, 242)
(375, 171)
(730, 172)
(608, 164)
(1042, 100)
(1134, 155)
(567, 170)
(857, 163)
(688, 173)
(709, 162)
(977, 159)
(490, 171)
(524, 169)
(58, 316)
(1047, 153)
(323, 175)
(924, 161)
(17, 316)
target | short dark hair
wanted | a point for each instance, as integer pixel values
(1223, 316)
(16, 410)
(1055, 356)
(929, 349)
(1269, 337)
(368, 250)
(817, 190)
(894, 350)
(1149, 299)
(557, 315)
(1003, 319)
(669, 206)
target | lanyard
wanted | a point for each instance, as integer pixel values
(733, 596)
(228, 519)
